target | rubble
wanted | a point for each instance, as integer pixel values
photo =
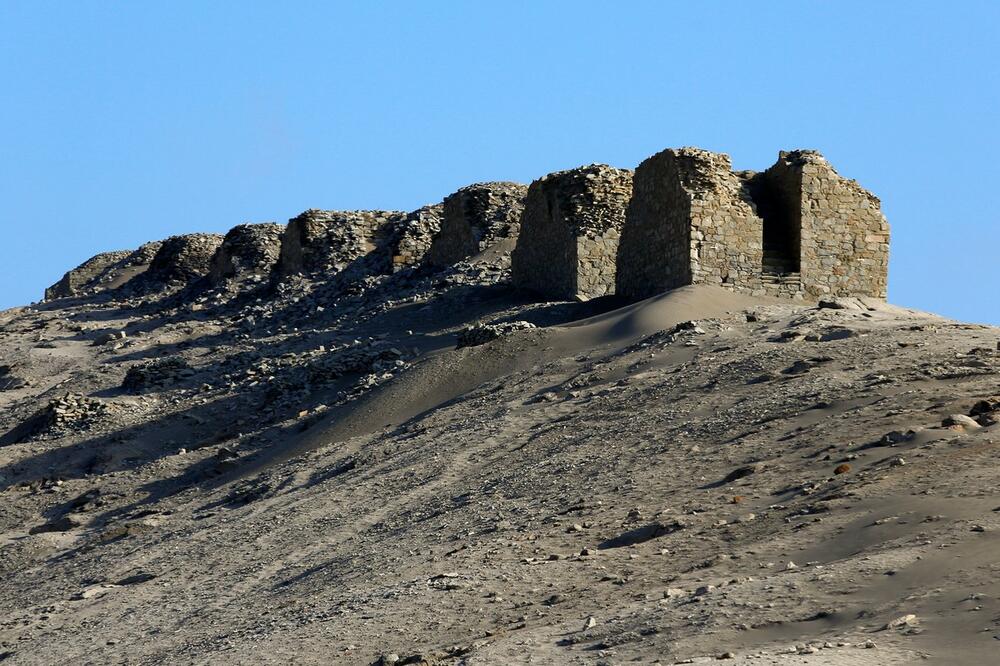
(480, 334)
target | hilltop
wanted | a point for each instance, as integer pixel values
(371, 437)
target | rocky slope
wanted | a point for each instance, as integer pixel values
(202, 463)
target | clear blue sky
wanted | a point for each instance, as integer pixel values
(122, 122)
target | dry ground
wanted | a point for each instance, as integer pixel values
(605, 489)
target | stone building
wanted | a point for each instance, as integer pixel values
(569, 232)
(247, 249)
(796, 230)
(476, 217)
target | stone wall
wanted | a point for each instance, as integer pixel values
(570, 231)
(415, 236)
(327, 241)
(105, 272)
(690, 220)
(843, 237)
(475, 218)
(797, 230)
(181, 259)
(247, 249)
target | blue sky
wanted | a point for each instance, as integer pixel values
(126, 122)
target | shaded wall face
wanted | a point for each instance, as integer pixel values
(184, 258)
(456, 239)
(544, 260)
(845, 237)
(654, 253)
(416, 236)
(570, 230)
(247, 249)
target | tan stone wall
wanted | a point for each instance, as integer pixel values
(570, 231)
(690, 221)
(476, 217)
(845, 237)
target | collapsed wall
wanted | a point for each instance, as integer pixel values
(104, 272)
(327, 241)
(247, 249)
(569, 232)
(76, 281)
(179, 260)
(475, 218)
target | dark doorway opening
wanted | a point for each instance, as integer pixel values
(779, 206)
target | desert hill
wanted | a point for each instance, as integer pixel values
(308, 444)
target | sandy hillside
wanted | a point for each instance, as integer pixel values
(310, 477)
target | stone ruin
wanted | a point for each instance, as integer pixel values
(247, 250)
(569, 232)
(796, 230)
(180, 260)
(415, 236)
(103, 272)
(476, 218)
(328, 241)
(77, 281)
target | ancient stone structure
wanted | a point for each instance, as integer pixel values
(102, 272)
(327, 241)
(415, 236)
(797, 230)
(78, 279)
(475, 218)
(828, 227)
(569, 232)
(247, 249)
(179, 260)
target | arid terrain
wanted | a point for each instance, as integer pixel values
(305, 473)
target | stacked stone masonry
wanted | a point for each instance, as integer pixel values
(182, 259)
(328, 241)
(415, 236)
(570, 231)
(798, 230)
(475, 218)
(247, 249)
